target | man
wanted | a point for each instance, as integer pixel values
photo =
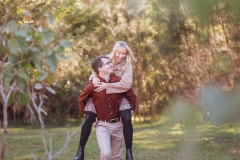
(109, 129)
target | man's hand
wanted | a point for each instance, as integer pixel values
(100, 87)
(131, 112)
(95, 123)
(95, 81)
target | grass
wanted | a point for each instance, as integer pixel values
(152, 141)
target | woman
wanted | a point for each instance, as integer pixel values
(121, 57)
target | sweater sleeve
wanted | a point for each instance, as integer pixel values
(123, 85)
(85, 95)
(94, 74)
(132, 98)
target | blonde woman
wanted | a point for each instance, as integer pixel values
(121, 58)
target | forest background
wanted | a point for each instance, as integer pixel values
(187, 58)
(185, 49)
(179, 46)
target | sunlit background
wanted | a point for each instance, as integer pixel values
(186, 77)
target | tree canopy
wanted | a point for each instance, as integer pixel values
(179, 47)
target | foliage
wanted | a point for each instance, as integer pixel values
(29, 54)
(179, 46)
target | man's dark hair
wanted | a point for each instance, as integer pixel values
(97, 63)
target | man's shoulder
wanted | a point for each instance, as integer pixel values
(89, 86)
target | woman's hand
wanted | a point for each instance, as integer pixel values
(96, 122)
(100, 87)
(95, 81)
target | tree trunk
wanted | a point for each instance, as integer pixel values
(5, 126)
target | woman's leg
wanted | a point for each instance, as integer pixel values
(127, 131)
(127, 127)
(85, 132)
(125, 113)
(87, 127)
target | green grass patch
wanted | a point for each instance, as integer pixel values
(152, 141)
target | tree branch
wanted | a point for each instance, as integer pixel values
(2, 92)
(69, 137)
(21, 61)
(32, 114)
(39, 109)
(11, 89)
(4, 24)
(31, 94)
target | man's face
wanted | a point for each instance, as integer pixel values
(107, 66)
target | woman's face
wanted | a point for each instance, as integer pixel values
(120, 55)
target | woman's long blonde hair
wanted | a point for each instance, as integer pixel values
(120, 46)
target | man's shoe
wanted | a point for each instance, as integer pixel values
(129, 154)
(80, 154)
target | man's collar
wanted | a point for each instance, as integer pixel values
(101, 79)
(113, 78)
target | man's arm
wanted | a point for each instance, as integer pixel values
(85, 95)
(132, 98)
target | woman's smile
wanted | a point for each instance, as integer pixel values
(120, 56)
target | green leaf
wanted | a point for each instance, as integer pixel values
(63, 57)
(12, 59)
(47, 36)
(82, 28)
(65, 43)
(21, 85)
(4, 50)
(34, 73)
(7, 79)
(51, 62)
(23, 74)
(26, 65)
(22, 32)
(38, 86)
(22, 99)
(49, 52)
(51, 90)
(50, 80)
(50, 17)
(42, 76)
(10, 27)
(7, 64)
(13, 46)
(37, 55)
(39, 66)
(23, 46)
(11, 99)
(60, 49)
(29, 38)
